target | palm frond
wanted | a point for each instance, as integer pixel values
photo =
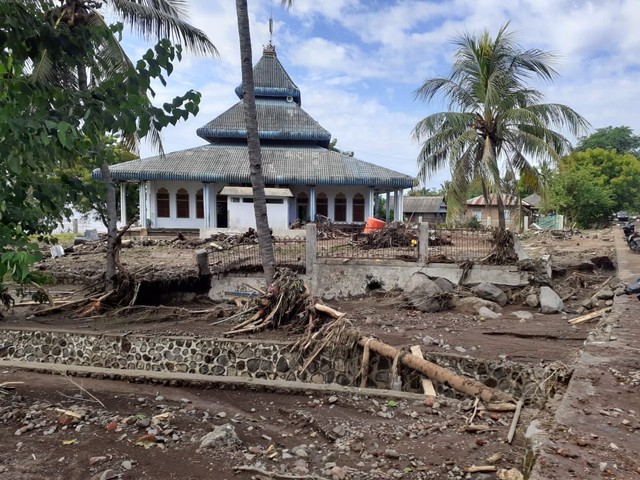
(163, 19)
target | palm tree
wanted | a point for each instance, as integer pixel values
(253, 141)
(157, 19)
(496, 122)
(152, 20)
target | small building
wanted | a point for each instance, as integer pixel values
(431, 209)
(487, 212)
(210, 187)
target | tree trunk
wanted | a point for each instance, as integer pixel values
(438, 373)
(501, 220)
(112, 229)
(253, 143)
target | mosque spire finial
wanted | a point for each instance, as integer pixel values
(270, 49)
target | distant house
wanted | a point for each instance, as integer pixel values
(534, 200)
(425, 209)
(487, 212)
(210, 187)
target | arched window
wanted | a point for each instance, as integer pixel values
(302, 206)
(322, 204)
(358, 207)
(340, 208)
(182, 203)
(162, 203)
(199, 204)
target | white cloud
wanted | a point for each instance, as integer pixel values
(358, 61)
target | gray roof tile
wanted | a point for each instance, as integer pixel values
(277, 120)
(285, 165)
(426, 204)
(271, 79)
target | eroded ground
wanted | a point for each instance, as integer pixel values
(303, 436)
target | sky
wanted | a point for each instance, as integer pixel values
(359, 62)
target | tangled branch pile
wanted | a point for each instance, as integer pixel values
(328, 231)
(504, 252)
(396, 234)
(286, 302)
(250, 237)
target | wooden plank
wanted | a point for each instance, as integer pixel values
(427, 385)
(589, 316)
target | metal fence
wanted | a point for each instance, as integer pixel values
(459, 244)
(350, 242)
(448, 245)
(290, 252)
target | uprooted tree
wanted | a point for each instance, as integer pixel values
(288, 304)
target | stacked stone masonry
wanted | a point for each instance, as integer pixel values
(268, 360)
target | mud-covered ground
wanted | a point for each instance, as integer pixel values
(285, 435)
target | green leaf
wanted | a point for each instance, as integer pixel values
(65, 134)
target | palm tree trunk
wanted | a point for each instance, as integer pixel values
(253, 143)
(501, 221)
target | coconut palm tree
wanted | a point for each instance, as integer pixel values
(155, 19)
(151, 20)
(253, 141)
(495, 120)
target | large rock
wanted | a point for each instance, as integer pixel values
(604, 294)
(484, 312)
(523, 315)
(445, 285)
(489, 291)
(532, 300)
(425, 295)
(473, 304)
(222, 436)
(550, 302)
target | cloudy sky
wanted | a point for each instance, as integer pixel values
(358, 62)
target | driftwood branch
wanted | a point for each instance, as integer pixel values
(481, 469)
(589, 316)
(64, 305)
(126, 227)
(514, 423)
(500, 407)
(269, 474)
(329, 311)
(427, 385)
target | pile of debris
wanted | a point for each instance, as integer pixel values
(396, 234)
(329, 231)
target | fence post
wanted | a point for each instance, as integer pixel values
(202, 259)
(423, 243)
(312, 243)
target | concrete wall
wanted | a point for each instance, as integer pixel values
(172, 221)
(242, 216)
(335, 279)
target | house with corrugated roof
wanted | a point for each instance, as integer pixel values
(209, 186)
(431, 209)
(486, 212)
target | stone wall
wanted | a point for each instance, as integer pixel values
(249, 358)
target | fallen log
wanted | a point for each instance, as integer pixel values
(435, 372)
(589, 316)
